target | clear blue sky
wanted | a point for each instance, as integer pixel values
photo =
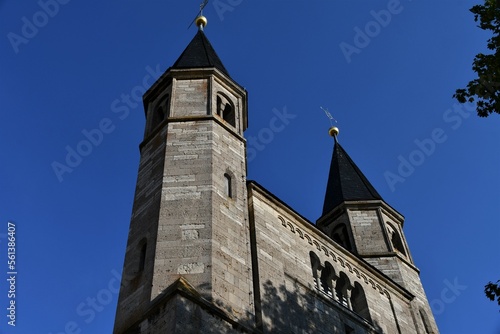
(391, 93)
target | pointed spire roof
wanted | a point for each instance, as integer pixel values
(346, 182)
(198, 54)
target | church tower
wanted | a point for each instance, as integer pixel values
(188, 236)
(358, 219)
(210, 252)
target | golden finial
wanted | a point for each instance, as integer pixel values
(333, 132)
(201, 22)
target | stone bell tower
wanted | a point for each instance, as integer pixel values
(359, 220)
(189, 232)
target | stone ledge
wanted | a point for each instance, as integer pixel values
(183, 288)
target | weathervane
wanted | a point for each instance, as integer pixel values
(333, 131)
(201, 21)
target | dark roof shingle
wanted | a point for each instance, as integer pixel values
(198, 54)
(346, 182)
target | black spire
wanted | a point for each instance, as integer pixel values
(199, 54)
(346, 182)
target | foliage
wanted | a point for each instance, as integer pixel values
(492, 291)
(485, 89)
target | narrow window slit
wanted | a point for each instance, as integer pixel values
(228, 185)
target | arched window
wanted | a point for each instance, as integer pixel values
(340, 235)
(343, 290)
(396, 241)
(358, 302)
(315, 266)
(160, 111)
(225, 110)
(228, 185)
(425, 321)
(327, 279)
